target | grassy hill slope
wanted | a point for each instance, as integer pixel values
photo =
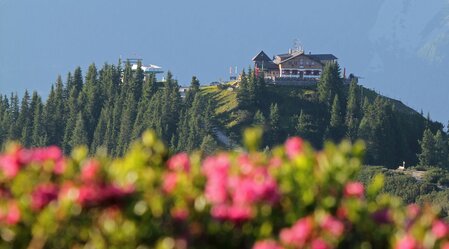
(291, 100)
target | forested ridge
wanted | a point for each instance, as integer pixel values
(110, 107)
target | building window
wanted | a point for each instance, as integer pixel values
(301, 62)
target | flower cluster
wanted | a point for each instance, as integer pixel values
(286, 198)
(422, 227)
(313, 232)
(18, 157)
(233, 188)
(177, 165)
(93, 189)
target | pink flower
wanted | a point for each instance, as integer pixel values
(354, 189)
(275, 162)
(170, 180)
(179, 162)
(216, 165)
(13, 215)
(216, 191)
(440, 229)
(333, 226)
(60, 167)
(413, 210)
(90, 171)
(267, 244)
(240, 213)
(299, 233)
(43, 195)
(319, 244)
(9, 165)
(244, 192)
(286, 236)
(39, 155)
(93, 194)
(220, 212)
(180, 214)
(293, 146)
(445, 245)
(302, 229)
(246, 166)
(216, 171)
(408, 242)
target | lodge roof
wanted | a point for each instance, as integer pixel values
(262, 56)
(262, 59)
(323, 57)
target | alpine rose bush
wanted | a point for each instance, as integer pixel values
(288, 197)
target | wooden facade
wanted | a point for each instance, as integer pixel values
(294, 65)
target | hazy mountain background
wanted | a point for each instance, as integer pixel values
(400, 47)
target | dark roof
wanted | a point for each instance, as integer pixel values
(322, 57)
(262, 56)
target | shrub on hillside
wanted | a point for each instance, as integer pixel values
(289, 197)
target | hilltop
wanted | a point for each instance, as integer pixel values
(291, 101)
(110, 107)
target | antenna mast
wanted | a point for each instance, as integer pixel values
(297, 46)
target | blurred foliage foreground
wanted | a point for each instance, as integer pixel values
(289, 197)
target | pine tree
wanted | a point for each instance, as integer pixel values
(5, 121)
(72, 115)
(38, 134)
(259, 119)
(100, 131)
(353, 114)
(137, 82)
(441, 150)
(3, 110)
(127, 120)
(336, 127)
(243, 92)
(15, 129)
(141, 123)
(93, 105)
(193, 90)
(427, 155)
(77, 80)
(59, 118)
(330, 84)
(79, 136)
(306, 129)
(24, 121)
(275, 124)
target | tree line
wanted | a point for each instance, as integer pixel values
(109, 108)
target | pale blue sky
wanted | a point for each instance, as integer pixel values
(399, 46)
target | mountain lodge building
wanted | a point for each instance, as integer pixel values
(293, 66)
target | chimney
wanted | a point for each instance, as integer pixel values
(290, 51)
